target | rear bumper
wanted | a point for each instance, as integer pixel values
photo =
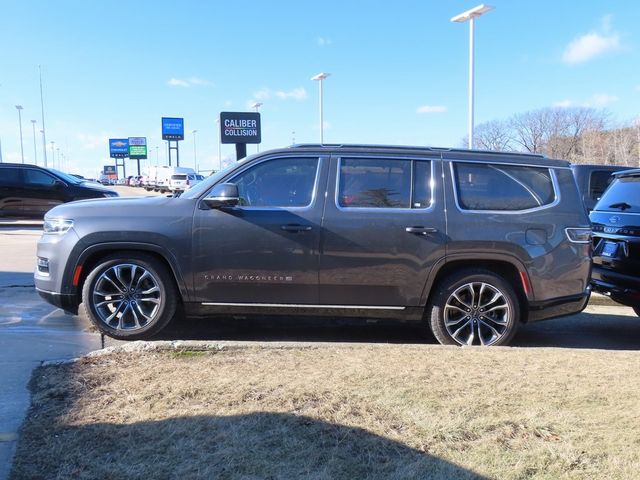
(69, 303)
(558, 307)
(622, 288)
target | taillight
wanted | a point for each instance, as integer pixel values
(578, 235)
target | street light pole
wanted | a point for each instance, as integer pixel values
(35, 150)
(19, 108)
(53, 154)
(257, 106)
(470, 16)
(195, 157)
(44, 135)
(320, 79)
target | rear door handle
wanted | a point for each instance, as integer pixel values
(420, 230)
(296, 228)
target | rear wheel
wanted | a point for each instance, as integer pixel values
(474, 307)
(130, 296)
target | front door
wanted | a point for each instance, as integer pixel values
(264, 251)
(384, 229)
(42, 192)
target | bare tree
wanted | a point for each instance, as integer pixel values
(494, 135)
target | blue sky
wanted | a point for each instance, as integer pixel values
(399, 69)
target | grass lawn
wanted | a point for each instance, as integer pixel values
(382, 411)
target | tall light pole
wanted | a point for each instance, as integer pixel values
(320, 79)
(35, 150)
(19, 108)
(44, 135)
(219, 143)
(53, 154)
(256, 106)
(470, 16)
(195, 157)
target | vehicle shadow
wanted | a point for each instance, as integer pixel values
(254, 445)
(585, 330)
(298, 329)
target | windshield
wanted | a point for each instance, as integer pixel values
(210, 181)
(623, 195)
(66, 177)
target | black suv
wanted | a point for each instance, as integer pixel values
(616, 240)
(593, 180)
(472, 243)
(31, 191)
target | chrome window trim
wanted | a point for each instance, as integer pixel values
(431, 206)
(294, 305)
(554, 182)
(506, 162)
(310, 206)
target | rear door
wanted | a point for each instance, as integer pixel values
(11, 186)
(42, 192)
(383, 230)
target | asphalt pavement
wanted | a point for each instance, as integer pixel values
(32, 331)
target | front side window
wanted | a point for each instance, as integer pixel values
(502, 187)
(38, 178)
(283, 182)
(384, 183)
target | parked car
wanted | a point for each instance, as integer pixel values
(616, 240)
(171, 179)
(194, 179)
(471, 243)
(31, 191)
(593, 180)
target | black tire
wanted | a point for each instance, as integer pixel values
(501, 316)
(160, 304)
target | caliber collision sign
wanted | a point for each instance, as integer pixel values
(138, 148)
(240, 127)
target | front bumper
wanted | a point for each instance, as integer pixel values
(69, 303)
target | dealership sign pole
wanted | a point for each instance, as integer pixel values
(119, 148)
(240, 128)
(138, 149)
(173, 131)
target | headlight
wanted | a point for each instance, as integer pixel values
(57, 226)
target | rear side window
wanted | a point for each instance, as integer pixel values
(10, 176)
(502, 187)
(384, 183)
(622, 196)
(39, 178)
(598, 183)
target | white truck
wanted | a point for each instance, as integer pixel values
(171, 179)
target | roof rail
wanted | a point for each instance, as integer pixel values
(410, 147)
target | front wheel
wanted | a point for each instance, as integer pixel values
(474, 307)
(130, 296)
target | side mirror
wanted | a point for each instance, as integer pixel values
(223, 195)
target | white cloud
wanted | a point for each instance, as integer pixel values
(92, 141)
(563, 103)
(593, 44)
(324, 41)
(602, 99)
(637, 88)
(189, 82)
(298, 94)
(262, 94)
(432, 109)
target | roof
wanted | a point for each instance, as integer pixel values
(631, 172)
(445, 153)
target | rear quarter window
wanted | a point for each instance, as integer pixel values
(499, 187)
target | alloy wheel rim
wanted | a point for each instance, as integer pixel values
(127, 297)
(477, 313)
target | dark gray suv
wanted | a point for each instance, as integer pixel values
(471, 243)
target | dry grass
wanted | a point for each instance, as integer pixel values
(335, 412)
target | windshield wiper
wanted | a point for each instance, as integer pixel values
(620, 205)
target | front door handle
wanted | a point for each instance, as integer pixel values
(295, 228)
(420, 230)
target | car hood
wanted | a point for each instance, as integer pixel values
(129, 206)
